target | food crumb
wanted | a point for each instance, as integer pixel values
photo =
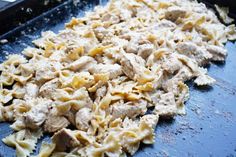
(3, 41)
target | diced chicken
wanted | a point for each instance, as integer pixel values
(46, 71)
(100, 93)
(134, 67)
(114, 70)
(183, 74)
(131, 64)
(110, 18)
(37, 115)
(164, 24)
(132, 47)
(55, 123)
(65, 140)
(83, 118)
(84, 63)
(129, 109)
(135, 39)
(151, 119)
(48, 90)
(101, 33)
(171, 64)
(166, 107)
(70, 116)
(173, 13)
(138, 45)
(31, 91)
(65, 37)
(193, 51)
(145, 50)
(218, 53)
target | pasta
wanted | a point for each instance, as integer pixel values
(104, 71)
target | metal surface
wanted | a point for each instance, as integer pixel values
(208, 129)
(14, 14)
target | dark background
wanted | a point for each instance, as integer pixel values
(208, 129)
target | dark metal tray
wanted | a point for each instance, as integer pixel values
(208, 129)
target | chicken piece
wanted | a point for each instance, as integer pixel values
(173, 13)
(145, 50)
(134, 67)
(150, 119)
(70, 117)
(110, 18)
(84, 63)
(55, 123)
(74, 39)
(138, 45)
(132, 47)
(218, 53)
(48, 90)
(179, 89)
(100, 93)
(155, 96)
(129, 109)
(65, 140)
(195, 52)
(183, 74)
(31, 91)
(166, 107)
(171, 64)
(164, 24)
(83, 118)
(102, 33)
(46, 71)
(37, 115)
(114, 70)
(134, 39)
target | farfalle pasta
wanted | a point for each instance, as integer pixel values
(91, 85)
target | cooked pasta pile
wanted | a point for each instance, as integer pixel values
(91, 84)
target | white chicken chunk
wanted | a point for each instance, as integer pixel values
(83, 118)
(201, 55)
(84, 63)
(113, 70)
(145, 50)
(48, 90)
(31, 91)
(129, 109)
(173, 13)
(134, 67)
(55, 123)
(65, 140)
(166, 107)
(100, 93)
(34, 118)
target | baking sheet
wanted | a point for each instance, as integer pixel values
(208, 129)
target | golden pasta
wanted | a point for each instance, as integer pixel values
(103, 72)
